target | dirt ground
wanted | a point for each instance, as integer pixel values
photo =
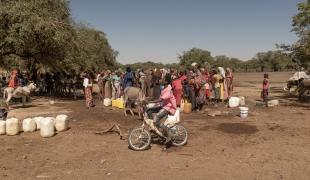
(272, 143)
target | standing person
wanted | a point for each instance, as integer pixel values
(206, 84)
(177, 89)
(192, 91)
(88, 86)
(101, 84)
(13, 81)
(116, 85)
(3, 82)
(148, 83)
(217, 87)
(142, 80)
(156, 84)
(129, 78)
(108, 84)
(223, 86)
(265, 91)
(229, 82)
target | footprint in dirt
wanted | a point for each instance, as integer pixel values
(237, 128)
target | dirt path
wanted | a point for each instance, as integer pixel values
(272, 143)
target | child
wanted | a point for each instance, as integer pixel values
(265, 91)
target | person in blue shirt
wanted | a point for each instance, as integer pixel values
(129, 78)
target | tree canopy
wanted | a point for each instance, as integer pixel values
(202, 57)
(42, 34)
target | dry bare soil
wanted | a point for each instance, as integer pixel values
(272, 143)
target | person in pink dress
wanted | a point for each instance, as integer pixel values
(168, 107)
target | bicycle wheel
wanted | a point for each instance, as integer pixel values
(139, 139)
(180, 135)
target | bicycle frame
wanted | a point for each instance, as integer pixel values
(150, 124)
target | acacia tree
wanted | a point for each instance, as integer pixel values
(35, 30)
(40, 34)
(202, 57)
(301, 26)
(91, 51)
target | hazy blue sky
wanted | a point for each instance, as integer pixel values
(159, 30)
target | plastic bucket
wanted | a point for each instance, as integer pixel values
(244, 112)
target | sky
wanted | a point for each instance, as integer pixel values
(160, 30)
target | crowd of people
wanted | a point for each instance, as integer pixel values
(198, 85)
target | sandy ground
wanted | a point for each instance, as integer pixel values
(272, 143)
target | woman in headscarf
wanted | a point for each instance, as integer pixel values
(229, 81)
(223, 86)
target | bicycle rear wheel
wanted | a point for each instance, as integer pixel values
(180, 135)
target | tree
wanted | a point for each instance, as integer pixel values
(91, 52)
(35, 30)
(221, 61)
(301, 26)
(40, 34)
(202, 57)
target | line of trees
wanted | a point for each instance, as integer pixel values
(263, 61)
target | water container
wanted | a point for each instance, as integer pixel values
(182, 105)
(2, 127)
(242, 100)
(47, 127)
(233, 102)
(273, 103)
(187, 107)
(120, 103)
(61, 123)
(38, 121)
(172, 120)
(12, 126)
(29, 125)
(107, 102)
(114, 103)
(244, 111)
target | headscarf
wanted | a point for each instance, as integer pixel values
(222, 71)
(229, 73)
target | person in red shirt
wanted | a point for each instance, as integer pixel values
(177, 89)
(13, 81)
